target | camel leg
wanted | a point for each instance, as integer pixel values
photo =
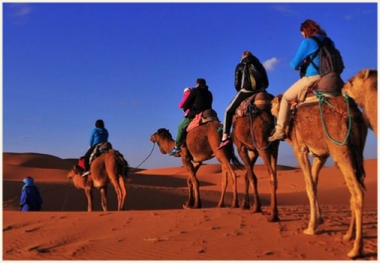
(103, 196)
(123, 191)
(350, 233)
(318, 163)
(356, 202)
(190, 200)
(118, 191)
(243, 153)
(224, 187)
(192, 183)
(269, 161)
(232, 176)
(252, 179)
(302, 158)
(89, 195)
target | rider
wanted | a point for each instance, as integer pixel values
(199, 100)
(244, 88)
(98, 135)
(307, 48)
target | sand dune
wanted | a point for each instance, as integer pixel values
(155, 227)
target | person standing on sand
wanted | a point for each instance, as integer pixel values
(30, 196)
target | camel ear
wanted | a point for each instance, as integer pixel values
(366, 73)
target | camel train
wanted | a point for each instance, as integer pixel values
(108, 167)
(322, 124)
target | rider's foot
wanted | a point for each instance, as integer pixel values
(174, 151)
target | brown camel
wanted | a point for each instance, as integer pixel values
(201, 145)
(337, 128)
(250, 135)
(109, 167)
(363, 89)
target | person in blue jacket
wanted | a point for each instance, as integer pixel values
(30, 196)
(309, 72)
(98, 135)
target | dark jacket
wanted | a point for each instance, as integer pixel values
(263, 82)
(200, 99)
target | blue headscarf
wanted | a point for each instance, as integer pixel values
(28, 181)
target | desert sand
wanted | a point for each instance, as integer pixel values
(155, 227)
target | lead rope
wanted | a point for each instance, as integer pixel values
(146, 157)
(67, 193)
(321, 99)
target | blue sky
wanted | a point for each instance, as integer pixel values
(65, 65)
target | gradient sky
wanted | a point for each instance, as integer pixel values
(65, 65)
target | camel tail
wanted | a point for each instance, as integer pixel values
(125, 166)
(233, 157)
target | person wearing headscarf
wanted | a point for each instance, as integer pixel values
(30, 196)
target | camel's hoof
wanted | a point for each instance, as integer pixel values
(355, 254)
(220, 206)
(310, 232)
(234, 205)
(256, 210)
(320, 221)
(245, 206)
(274, 219)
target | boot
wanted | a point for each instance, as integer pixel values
(279, 134)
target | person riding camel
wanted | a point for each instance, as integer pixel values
(198, 100)
(245, 89)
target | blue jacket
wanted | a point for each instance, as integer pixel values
(98, 135)
(30, 197)
(307, 48)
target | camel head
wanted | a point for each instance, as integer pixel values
(365, 79)
(76, 170)
(276, 105)
(161, 134)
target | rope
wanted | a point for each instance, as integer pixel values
(145, 158)
(321, 99)
(67, 192)
(255, 109)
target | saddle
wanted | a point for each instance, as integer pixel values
(202, 118)
(99, 149)
(258, 101)
(329, 85)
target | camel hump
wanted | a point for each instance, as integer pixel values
(99, 149)
(330, 84)
(261, 100)
(202, 118)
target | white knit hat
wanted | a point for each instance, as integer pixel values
(186, 89)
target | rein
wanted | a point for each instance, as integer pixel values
(321, 100)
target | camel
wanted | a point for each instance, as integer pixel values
(201, 145)
(333, 128)
(250, 135)
(363, 89)
(109, 167)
